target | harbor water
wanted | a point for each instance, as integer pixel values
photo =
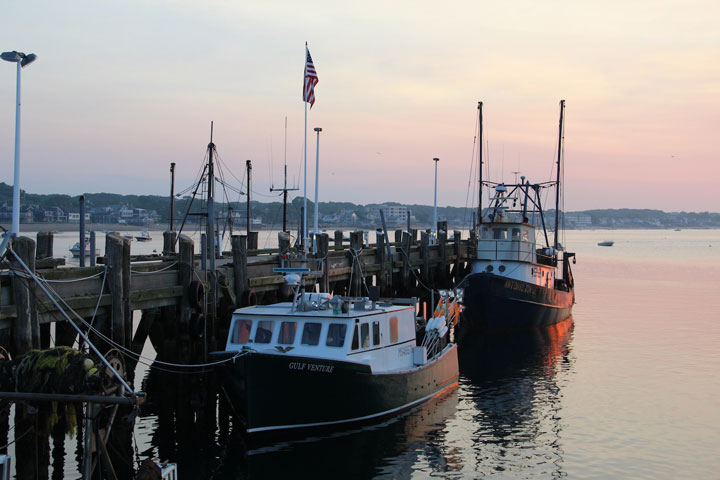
(628, 388)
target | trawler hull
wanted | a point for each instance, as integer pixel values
(281, 393)
(497, 303)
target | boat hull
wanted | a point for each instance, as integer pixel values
(282, 393)
(496, 303)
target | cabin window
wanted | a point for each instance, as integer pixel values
(311, 334)
(525, 236)
(485, 233)
(241, 333)
(393, 329)
(336, 335)
(287, 333)
(364, 335)
(500, 233)
(263, 334)
(376, 333)
(356, 339)
(516, 234)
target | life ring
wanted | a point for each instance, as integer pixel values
(248, 298)
(196, 294)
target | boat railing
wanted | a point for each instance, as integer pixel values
(515, 250)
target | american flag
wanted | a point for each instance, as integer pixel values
(311, 80)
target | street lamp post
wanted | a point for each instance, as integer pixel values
(22, 60)
(434, 226)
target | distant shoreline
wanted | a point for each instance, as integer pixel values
(117, 227)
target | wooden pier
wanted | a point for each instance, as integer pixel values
(181, 300)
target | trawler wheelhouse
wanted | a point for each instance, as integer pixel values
(372, 336)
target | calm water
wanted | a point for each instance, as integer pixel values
(630, 388)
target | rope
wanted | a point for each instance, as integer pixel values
(154, 271)
(75, 279)
(129, 352)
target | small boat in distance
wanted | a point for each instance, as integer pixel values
(516, 282)
(606, 243)
(322, 362)
(144, 236)
(75, 249)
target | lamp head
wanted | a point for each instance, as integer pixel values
(11, 56)
(16, 57)
(28, 59)
(318, 129)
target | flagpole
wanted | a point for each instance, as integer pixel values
(305, 232)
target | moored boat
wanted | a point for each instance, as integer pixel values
(327, 362)
(606, 243)
(75, 249)
(144, 236)
(516, 282)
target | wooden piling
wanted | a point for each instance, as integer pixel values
(283, 243)
(169, 240)
(381, 257)
(252, 240)
(356, 244)
(186, 276)
(322, 240)
(338, 241)
(44, 245)
(442, 267)
(405, 256)
(425, 257)
(457, 239)
(239, 252)
(117, 253)
(26, 332)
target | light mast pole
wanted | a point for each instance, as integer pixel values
(559, 158)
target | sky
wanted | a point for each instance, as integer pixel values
(120, 90)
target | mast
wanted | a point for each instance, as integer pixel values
(285, 189)
(248, 165)
(172, 194)
(211, 201)
(557, 185)
(480, 163)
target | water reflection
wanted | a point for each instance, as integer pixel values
(511, 395)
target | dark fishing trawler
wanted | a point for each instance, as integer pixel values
(519, 279)
(322, 362)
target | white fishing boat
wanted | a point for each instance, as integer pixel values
(75, 249)
(144, 236)
(321, 361)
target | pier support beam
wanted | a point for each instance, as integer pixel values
(44, 245)
(323, 244)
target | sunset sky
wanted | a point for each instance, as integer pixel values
(122, 89)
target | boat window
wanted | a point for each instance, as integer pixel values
(525, 236)
(263, 334)
(356, 341)
(287, 333)
(485, 233)
(376, 333)
(311, 333)
(241, 332)
(516, 234)
(393, 329)
(336, 335)
(500, 233)
(364, 335)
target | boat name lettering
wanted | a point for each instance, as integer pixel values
(406, 350)
(518, 286)
(311, 367)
